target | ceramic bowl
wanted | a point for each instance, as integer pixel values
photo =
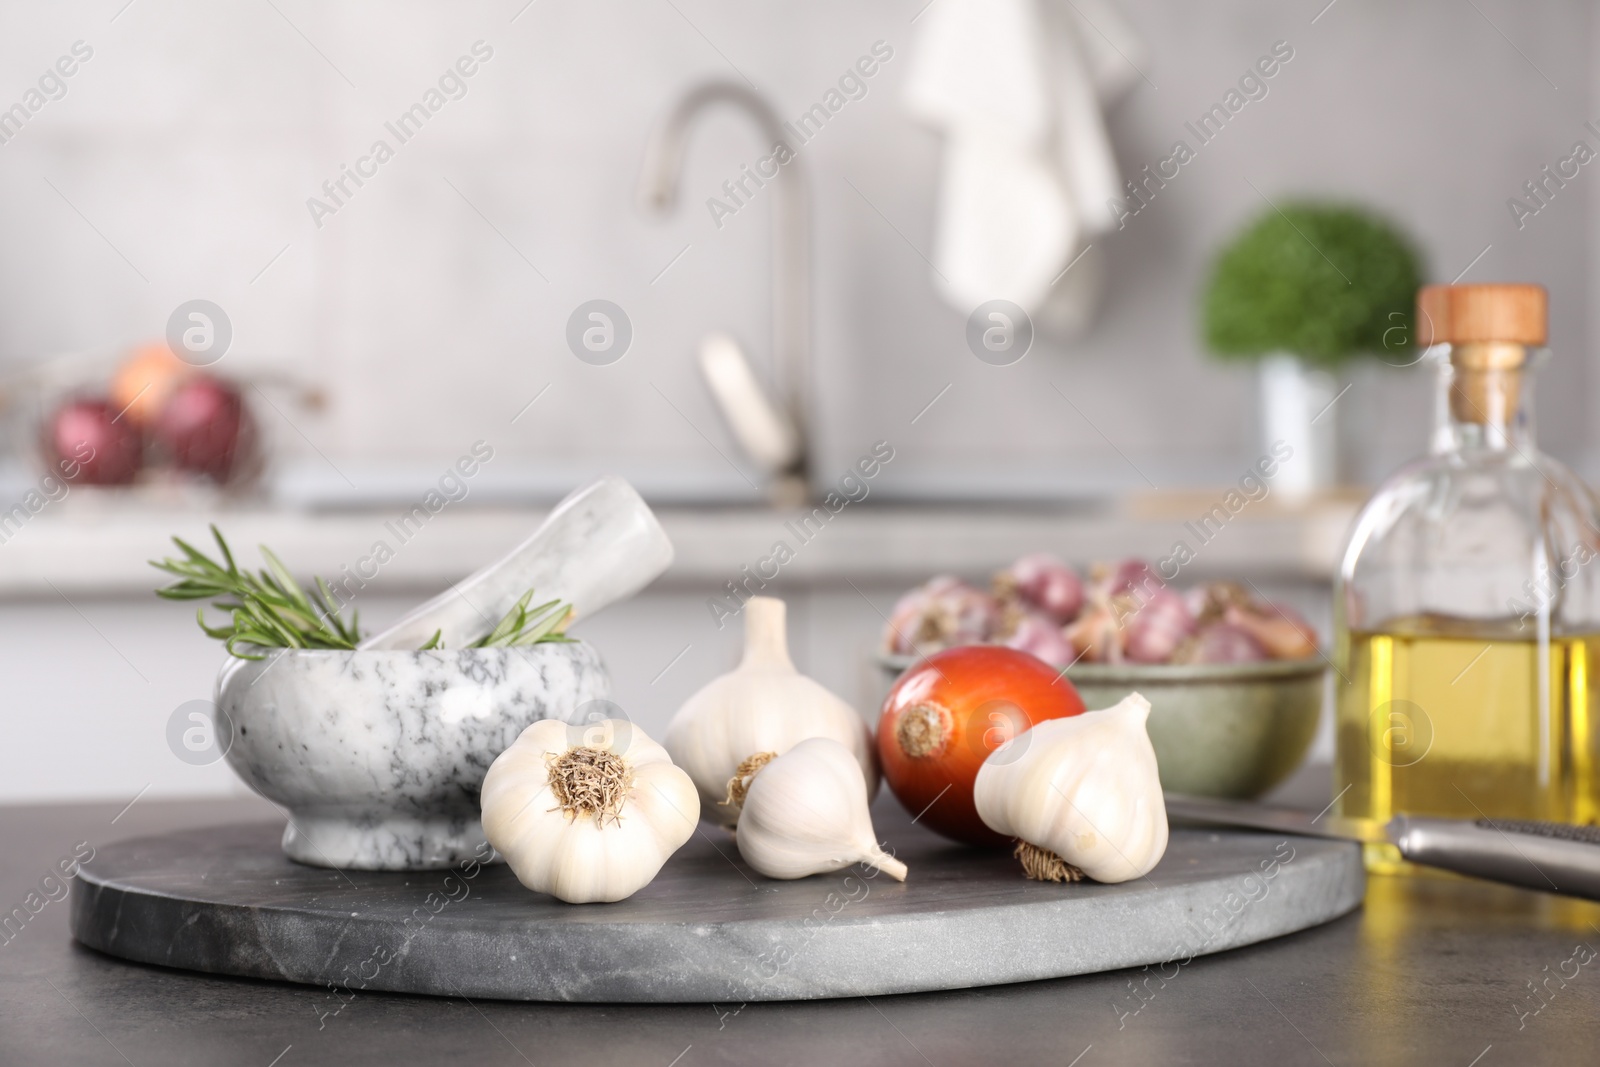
(1219, 729)
(378, 756)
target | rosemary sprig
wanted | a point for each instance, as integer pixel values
(272, 610)
(268, 611)
(520, 626)
(523, 625)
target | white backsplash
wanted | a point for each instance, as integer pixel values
(433, 305)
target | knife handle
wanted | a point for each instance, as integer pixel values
(1552, 857)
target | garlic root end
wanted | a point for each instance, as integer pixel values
(1042, 865)
(743, 775)
(590, 781)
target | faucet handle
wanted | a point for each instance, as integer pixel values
(766, 433)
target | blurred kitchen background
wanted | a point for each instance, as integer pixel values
(432, 307)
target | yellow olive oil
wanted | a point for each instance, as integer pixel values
(1466, 720)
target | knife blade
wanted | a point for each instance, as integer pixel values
(1548, 856)
(1213, 811)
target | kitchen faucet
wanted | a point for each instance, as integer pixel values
(774, 436)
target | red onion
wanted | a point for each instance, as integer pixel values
(1043, 583)
(1041, 635)
(1156, 629)
(206, 428)
(86, 442)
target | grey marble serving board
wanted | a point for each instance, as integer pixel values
(225, 900)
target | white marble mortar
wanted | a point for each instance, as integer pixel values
(378, 756)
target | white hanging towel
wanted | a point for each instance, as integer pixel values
(1019, 88)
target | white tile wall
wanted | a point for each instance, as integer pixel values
(194, 136)
(90, 686)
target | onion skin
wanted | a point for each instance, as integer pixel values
(144, 380)
(88, 444)
(206, 429)
(984, 695)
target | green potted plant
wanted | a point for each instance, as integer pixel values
(1302, 290)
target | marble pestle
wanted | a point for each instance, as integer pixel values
(601, 544)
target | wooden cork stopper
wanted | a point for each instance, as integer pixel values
(1488, 328)
(1487, 385)
(1462, 314)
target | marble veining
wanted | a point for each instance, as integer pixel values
(378, 756)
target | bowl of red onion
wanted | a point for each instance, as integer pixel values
(1235, 681)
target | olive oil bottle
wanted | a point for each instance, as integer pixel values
(1468, 599)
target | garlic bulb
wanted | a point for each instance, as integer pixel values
(760, 709)
(1081, 795)
(805, 812)
(587, 815)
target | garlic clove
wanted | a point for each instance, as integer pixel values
(1280, 630)
(587, 817)
(941, 613)
(1157, 626)
(1084, 791)
(806, 812)
(1043, 583)
(763, 705)
(1039, 635)
(1096, 636)
(1220, 642)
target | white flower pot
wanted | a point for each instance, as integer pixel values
(1298, 409)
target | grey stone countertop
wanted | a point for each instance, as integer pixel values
(1430, 971)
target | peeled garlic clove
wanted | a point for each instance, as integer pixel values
(762, 706)
(1082, 795)
(805, 812)
(587, 815)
